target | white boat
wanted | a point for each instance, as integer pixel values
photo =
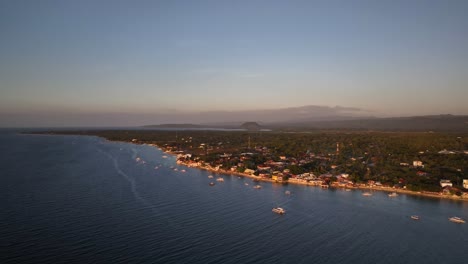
(164, 157)
(278, 210)
(348, 190)
(212, 184)
(182, 170)
(287, 192)
(393, 194)
(456, 219)
(415, 217)
(220, 179)
(257, 187)
(367, 194)
(210, 176)
(246, 184)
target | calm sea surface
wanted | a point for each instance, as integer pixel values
(77, 199)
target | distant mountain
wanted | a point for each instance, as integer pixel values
(436, 123)
(232, 119)
(442, 123)
(302, 113)
(310, 117)
(174, 126)
(251, 126)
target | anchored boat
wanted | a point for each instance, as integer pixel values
(456, 219)
(278, 210)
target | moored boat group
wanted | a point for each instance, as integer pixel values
(454, 219)
(281, 211)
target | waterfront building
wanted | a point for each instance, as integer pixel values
(445, 183)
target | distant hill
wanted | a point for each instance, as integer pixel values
(436, 123)
(175, 126)
(251, 126)
(442, 123)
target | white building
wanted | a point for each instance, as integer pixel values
(444, 151)
(418, 163)
(444, 183)
(465, 183)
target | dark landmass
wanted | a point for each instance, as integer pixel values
(439, 123)
(436, 123)
(251, 126)
(176, 126)
(299, 114)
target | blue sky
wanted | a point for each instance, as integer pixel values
(72, 58)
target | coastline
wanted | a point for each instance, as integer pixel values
(262, 179)
(370, 188)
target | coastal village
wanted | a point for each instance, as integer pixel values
(429, 164)
(276, 171)
(262, 164)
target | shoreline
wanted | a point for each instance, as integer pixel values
(380, 189)
(261, 179)
(370, 188)
(258, 178)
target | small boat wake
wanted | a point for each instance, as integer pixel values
(134, 153)
(161, 215)
(129, 179)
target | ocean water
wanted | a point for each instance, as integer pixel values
(78, 199)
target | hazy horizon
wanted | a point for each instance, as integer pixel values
(118, 63)
(292, 115)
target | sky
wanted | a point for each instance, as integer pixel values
(79, 62)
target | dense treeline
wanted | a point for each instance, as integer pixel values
(363, 155)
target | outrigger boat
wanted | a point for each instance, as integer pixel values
(456, 219)
(278, 210)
